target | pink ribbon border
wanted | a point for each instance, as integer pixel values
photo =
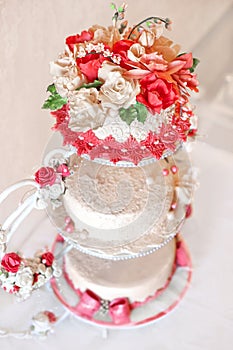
(134, 304)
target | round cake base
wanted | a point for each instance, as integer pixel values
(119, 313)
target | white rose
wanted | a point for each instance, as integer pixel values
(66, 85)
(56, 190)
(67, 76)
(42, 198)
(117, 92)
(85, 110)
(24, 278)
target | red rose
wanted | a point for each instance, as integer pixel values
(90, 68)
(45, 176)
(78, 38)
(11, 262)
(156, 94)
(47, 259)
(120, 48)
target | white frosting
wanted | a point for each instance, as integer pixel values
(148, 224)
(108, 198)
(134, 278)
(120, 130)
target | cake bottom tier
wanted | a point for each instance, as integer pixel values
(108, 293)
(135, 279)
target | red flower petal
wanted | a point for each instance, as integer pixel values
(78, 38)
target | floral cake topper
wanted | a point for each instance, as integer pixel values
(122, 93)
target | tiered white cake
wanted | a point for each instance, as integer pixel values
(121, 102)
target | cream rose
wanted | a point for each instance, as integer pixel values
(24, 278)
(85, 110)
(105, 35)
(116, 91)
(66, 85)
(135, 52)
(67, 76)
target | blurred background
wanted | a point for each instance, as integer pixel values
(32, 33)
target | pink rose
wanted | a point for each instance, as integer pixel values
(45, 176)
(11, 262)
(63, 170)
(47, 259)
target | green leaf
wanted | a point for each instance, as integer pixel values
(137, 111)
(128, 115)
(141, 112)
(195, 63)
(96, 83)
(120, 9)
(54, 102)
(52, 89)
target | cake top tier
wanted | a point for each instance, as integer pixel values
(122, 94)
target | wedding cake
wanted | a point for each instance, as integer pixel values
(117, 182)
(123, 188)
